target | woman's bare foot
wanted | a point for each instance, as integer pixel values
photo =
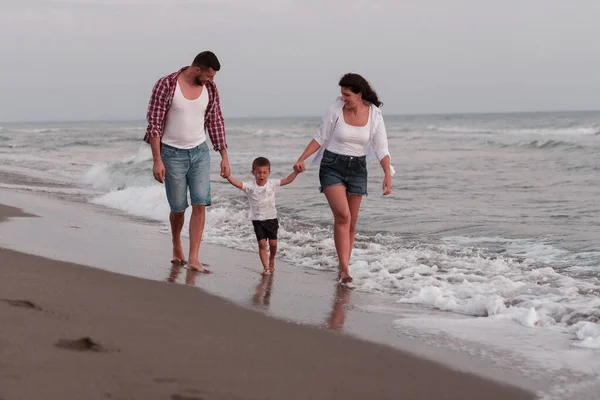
(344, 276)
(198, 267)
(272, 267)
(266, 272)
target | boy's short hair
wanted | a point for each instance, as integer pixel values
(261, 162)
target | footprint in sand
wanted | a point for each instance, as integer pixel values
(185, 397)
(82, 344)
(165, 380)
(22, 303)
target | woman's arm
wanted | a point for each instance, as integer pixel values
(323, 134)
(312, 147)
(379, 143)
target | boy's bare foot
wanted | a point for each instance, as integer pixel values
(266, 272)
(198, 267)
(272, 268)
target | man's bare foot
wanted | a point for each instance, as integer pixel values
(198, 267)
(178, 257)
(266, 272)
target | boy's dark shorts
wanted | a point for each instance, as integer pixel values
(266, 229)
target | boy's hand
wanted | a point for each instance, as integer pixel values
(226, 174)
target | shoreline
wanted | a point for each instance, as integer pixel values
(223, 351)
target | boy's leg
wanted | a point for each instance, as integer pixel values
(273, 228)
(262, 252)
(272, 252)
(261, 236)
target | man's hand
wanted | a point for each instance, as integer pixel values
(225, 170)
(158, 170)
(387, 185)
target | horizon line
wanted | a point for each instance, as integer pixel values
(312, 116)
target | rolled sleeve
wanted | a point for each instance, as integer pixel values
(214, 122)
(157, 109)
(380, 141)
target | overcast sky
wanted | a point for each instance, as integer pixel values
(98, 59)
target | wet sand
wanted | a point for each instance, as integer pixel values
(71, 331)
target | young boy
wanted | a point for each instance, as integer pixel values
(261, 196)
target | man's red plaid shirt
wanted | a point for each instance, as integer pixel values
(160, 103)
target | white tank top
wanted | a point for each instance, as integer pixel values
(184, 122)
(349, 140)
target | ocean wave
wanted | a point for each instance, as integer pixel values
(538, 144)
(35, 130)
(524, 285)
(131, 172)
(574, 131)
(459, 129)
(553, 131)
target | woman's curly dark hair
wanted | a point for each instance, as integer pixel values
(357, 84)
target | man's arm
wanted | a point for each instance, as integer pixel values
(290, 178)
(215, 126)
(158, 168)
(157, 109)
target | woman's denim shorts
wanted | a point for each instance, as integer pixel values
(349, 171)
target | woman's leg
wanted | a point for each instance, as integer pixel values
(354, 206)
(338, 202)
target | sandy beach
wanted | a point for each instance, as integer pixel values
(72, 331)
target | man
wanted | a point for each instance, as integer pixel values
(184, 106)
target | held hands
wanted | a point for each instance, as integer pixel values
(225, 169)
(158, 170)
(387, 185)
(299, 167)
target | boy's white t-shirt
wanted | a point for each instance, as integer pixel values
(261, 199)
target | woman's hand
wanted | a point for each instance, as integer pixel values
(299, 167)
(387, 185)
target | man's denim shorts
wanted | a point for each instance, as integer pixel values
(186, 168)
(349, 171)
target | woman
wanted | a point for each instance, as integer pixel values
(352, 131)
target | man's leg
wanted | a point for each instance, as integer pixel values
(196, 229)
(198, 179)
(176, 168)
(177, 219)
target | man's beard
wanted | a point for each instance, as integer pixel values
(199, 82)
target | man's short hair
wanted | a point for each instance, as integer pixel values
(206, 60)
(261, 162)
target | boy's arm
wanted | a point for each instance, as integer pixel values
(289, 179)
(234, 182)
